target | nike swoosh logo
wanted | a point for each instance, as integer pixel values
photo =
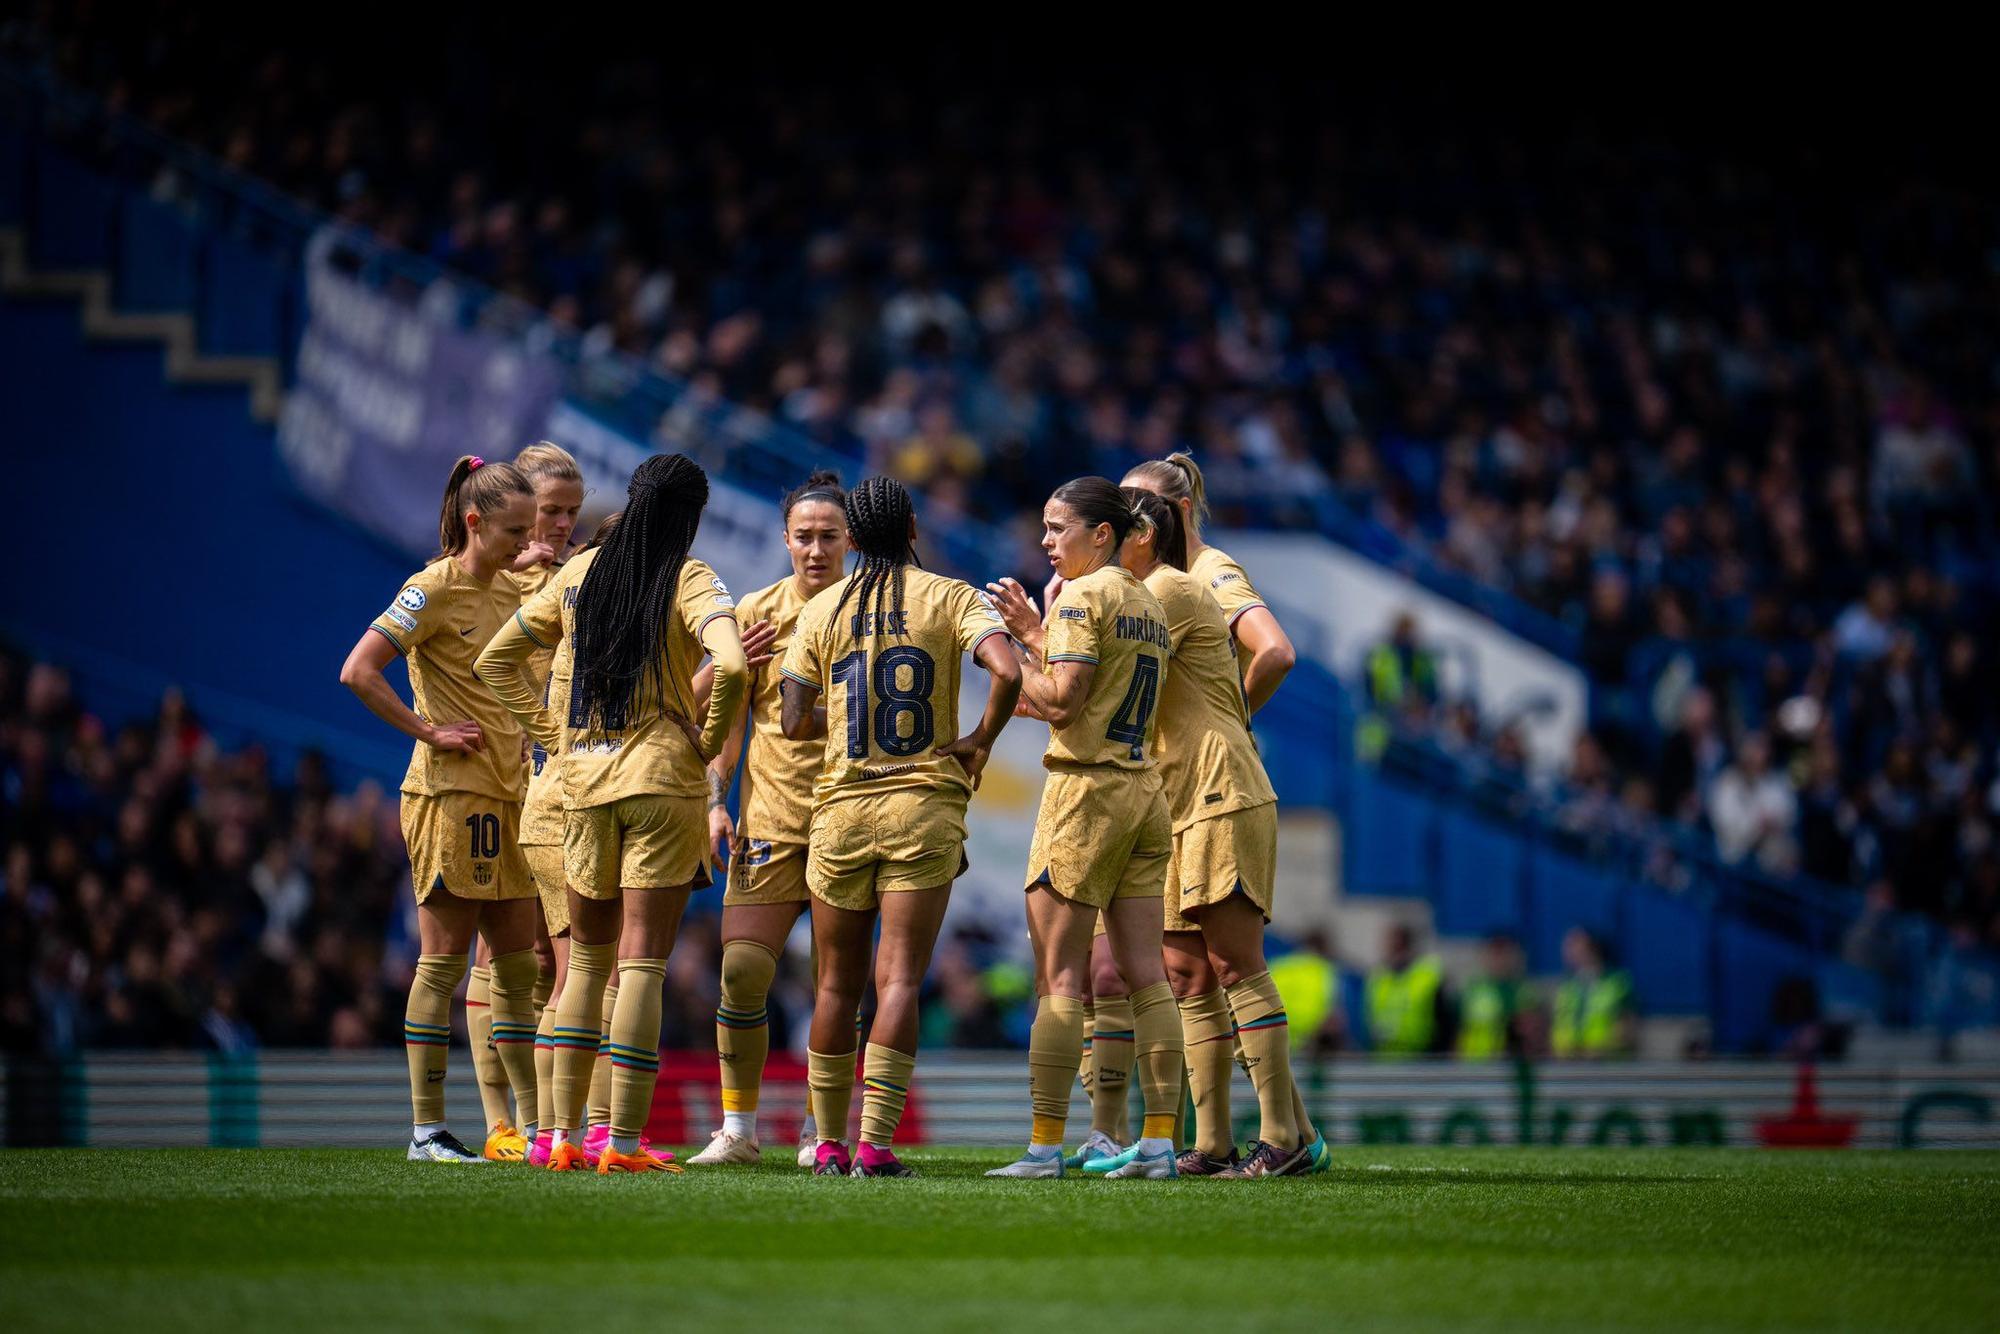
(468, 630)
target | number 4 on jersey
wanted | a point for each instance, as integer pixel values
(1136, 709)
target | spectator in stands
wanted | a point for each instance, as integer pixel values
(1594, 1017)
(1309, 980)
(1401, 674)
(1409, 1011)
(1754, 810)
(1497, 1012)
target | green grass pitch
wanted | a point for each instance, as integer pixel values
(1450, 1239)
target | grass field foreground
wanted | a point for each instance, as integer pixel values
(1409, 1238)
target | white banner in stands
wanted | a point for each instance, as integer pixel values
(1337, 605)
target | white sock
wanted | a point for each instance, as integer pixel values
(423, 1130)
(1043, 1150)
(625, 1143)
(558, 1136)
(1154, 1144)
(740, 1123)
(807, 1130)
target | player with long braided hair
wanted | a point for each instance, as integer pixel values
(1264, 655)
(1103, 838)
(461, 798)
(630, 621)
(881, 653)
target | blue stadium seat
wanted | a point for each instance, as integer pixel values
(158, 251)
(1752, 961)
(1668, 950)
(242, 298)
(1388, 833)
(75, 209)
(1480, 870)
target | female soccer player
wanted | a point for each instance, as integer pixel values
(1263, 650)
(1102, 837)
(1219, 887)
(461, 803)
(630, 620)
(883, 651)
(558, 490)
(766, 888)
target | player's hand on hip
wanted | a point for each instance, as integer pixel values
(759, 643)
(462, 738)
(971, 757)
(1016, 608)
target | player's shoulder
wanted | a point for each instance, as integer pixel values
(772, 597)
(434, 583)
(1175, 589)
(1216, 567)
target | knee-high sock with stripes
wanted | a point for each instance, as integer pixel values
(1111, 1053)
(513, 990)
(545, 1066)
(427, 1032)
(635, 1047)
(885, 1079)
(742, 1028)
(1160, 1055)
(579, 1018)
(1265, 1036)
(1086, 1075)
(830, 1084)
(598, 1112)
(1055, 1050)
(487, 1066)
(1206, 1028)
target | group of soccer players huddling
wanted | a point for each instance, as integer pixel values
(580, 716)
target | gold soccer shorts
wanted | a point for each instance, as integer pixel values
(1101, 834)
(644, 842)
(866, 847)
(761, 871)
(1219, 856)
(465, 843)
(545, 863)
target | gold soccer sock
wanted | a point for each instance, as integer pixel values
(635, 1047)
(578, 1017)
(513, 990)
(1111, 1051)
(545, 986)
(830, 1085)
(1160, 1054)
(1265, 1035)
(427, 1032)
(1206, 1028)
(598, 1112)
(486, 1064)
(1086, 1076)
(545, 1069)
(1055, 1050)
(742, 1031)
(885, 1077)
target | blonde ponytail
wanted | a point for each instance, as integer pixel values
(1178, 478)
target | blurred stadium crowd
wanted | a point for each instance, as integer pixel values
(1724, 415)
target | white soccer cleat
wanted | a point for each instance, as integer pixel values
(724, 1147)
(441, 1147)
(1099, 1145)
(1146, 1166)
(1032, 1167)
(808, 1144)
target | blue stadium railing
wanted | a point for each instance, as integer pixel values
(183, 231)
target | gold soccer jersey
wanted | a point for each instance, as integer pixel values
(1110, 619)
(440, 622)
(891, 685)
(1231, 588)
(1207, 760)
(645, 754)
(778, 773)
